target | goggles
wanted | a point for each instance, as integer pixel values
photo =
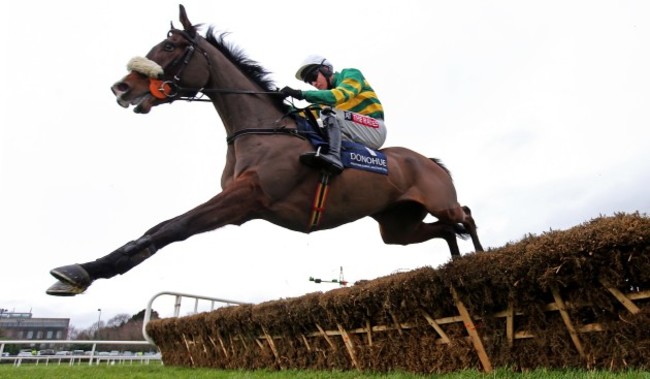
(311, 75)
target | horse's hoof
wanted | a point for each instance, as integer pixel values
(64, 289)
(74, 275)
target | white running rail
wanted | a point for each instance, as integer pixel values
(177, 306)
(91, 357)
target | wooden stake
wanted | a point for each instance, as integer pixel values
(203, 345)
(435, 326)
(243, 341)
(232, 346)
(349, 346)
(324, 335)
(471, 329)
(269, 340)
(567, 320)
(396, 322)
(223, 346)
(627, 303)
(369, 332)
(639, 295)
(510, 322)
(214, 344)
(259, 343)
(187, 346)
(304, 340)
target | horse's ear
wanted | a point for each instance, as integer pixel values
(187, 25)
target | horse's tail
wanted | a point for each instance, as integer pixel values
(468, 228)
(461, 231)
(459, 228)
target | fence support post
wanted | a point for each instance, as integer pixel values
(567, 320)
(473, 334)
(627, 303)
(349, 346)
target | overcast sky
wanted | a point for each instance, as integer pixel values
(540, 109)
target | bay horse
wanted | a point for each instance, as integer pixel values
(263, 178)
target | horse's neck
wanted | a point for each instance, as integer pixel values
(239, 111)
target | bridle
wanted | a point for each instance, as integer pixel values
(171, 89)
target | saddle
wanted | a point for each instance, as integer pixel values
(353, 154)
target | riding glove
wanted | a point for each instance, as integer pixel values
(295, 93)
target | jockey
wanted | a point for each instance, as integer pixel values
(357, 115)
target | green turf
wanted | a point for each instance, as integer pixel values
(155, 371)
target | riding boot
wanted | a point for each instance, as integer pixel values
(330, 161)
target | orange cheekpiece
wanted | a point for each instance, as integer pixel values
(159, 89)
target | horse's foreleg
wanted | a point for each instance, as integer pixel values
(237, 204)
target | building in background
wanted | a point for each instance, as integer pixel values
(22, 326)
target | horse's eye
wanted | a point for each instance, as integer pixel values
(169, 46)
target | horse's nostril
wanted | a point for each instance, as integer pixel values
(121, 87)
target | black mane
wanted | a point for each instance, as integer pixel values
(249, 67)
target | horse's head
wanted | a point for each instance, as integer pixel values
(171, 65)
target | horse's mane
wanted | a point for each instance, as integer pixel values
(249, 67)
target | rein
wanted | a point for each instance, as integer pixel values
(230, 91)
(170, 89)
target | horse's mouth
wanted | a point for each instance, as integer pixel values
(143, 104)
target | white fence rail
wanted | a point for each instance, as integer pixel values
(92, 358)
(178, 298)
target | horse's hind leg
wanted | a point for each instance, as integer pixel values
(470, 225)
(403, 225)
(421, 232)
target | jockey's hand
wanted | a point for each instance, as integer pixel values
(295, 93)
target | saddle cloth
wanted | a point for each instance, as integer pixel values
(353, 154)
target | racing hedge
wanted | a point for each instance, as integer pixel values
(575, 298)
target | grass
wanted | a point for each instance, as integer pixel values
(162, 372)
